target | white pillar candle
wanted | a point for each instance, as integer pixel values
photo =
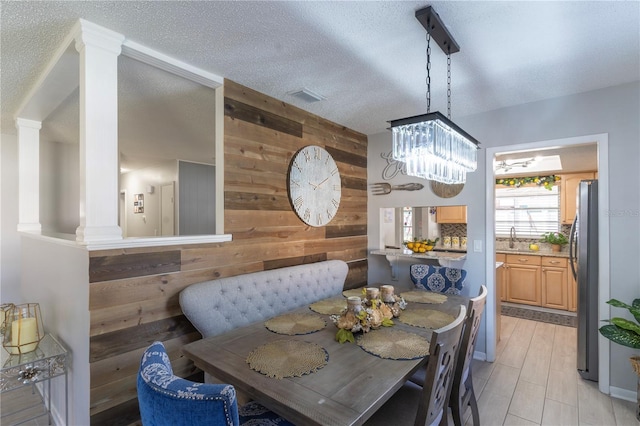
(24, 330)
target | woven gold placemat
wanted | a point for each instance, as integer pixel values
(353, 292)
(426, 318)
(391, 343)
(287, 358)
(332, 306)
(421, 296)
(296, 323)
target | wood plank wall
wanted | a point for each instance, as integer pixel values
(133, 297)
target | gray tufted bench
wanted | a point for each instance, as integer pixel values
(217, 306)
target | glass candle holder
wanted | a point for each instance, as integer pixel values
(23, 328)
(386, 292)
(373, 293)
(354, 304)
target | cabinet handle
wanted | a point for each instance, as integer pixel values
(554, 261)
(523, 260)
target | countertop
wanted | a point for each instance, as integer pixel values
(564, 254)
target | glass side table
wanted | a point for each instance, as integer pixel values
(47, 361)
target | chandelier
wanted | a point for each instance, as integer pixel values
(432, 146)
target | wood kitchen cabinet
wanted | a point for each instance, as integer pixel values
(568, 187)
(554, 281)
(523, 279)
(451, 214)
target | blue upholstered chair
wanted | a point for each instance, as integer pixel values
(439, 279)
(166, 399)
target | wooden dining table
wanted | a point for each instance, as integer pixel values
(348, 390)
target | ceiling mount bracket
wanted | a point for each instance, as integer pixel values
(436, 28)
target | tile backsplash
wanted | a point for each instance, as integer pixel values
(453, 229)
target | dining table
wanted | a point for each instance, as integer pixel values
(347, 390)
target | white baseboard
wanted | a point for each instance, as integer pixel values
(480, 356)
(625, 394)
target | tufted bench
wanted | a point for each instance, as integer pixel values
(217, 306)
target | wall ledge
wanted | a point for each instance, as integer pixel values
(70, 240)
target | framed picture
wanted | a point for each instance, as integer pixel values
(138, 203)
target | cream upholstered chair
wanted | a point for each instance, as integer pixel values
(462, 394)
(433, 397)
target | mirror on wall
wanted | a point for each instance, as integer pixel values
(399, 224)
(166, 137)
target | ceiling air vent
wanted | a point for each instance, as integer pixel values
(307, 95)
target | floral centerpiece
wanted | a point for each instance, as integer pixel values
(368, 313)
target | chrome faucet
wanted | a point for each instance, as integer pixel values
(512, 237)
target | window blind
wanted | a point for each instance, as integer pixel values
(532, 210)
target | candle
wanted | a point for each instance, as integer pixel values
(24, 330)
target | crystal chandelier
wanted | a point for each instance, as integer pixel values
(432, 146)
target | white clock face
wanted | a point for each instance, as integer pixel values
(314, 185)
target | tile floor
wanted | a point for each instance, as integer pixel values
(534, 382)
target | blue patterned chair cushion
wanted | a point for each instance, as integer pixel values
(166, 399)
(438, 278)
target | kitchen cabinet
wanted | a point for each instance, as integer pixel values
(554, 281)
(451, 214)
(568, 187)
(523, 279)
(501, 282)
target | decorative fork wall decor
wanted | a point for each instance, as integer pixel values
(383, 188)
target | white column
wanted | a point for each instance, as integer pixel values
(99, 49)
(28, 175)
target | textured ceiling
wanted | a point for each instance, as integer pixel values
(366, 58)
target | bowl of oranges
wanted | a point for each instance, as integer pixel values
(420, 246)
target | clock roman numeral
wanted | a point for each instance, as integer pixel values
(307, 215)
(334, 171)
(297, 203)
(297, 166)
(335, 203)
(319, 219)
(336, 187)
(307, 155)
(329, 214)
(318, 153)
(295, 182)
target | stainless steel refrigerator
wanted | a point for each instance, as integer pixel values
(583, 257)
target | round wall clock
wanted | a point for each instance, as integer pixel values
(314, 185)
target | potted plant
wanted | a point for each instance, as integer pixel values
(626, 333)
(556, 239)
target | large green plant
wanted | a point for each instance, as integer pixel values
(623, 331)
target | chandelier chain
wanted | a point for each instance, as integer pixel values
(428, 72)
(449, 85)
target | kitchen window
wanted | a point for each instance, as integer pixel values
(531, 210)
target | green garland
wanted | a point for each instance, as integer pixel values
(546, 181)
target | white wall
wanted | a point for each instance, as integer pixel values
(614, 111)
(9, 237)
(59, 187)
(55, 274)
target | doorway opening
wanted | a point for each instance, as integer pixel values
(493, 240)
